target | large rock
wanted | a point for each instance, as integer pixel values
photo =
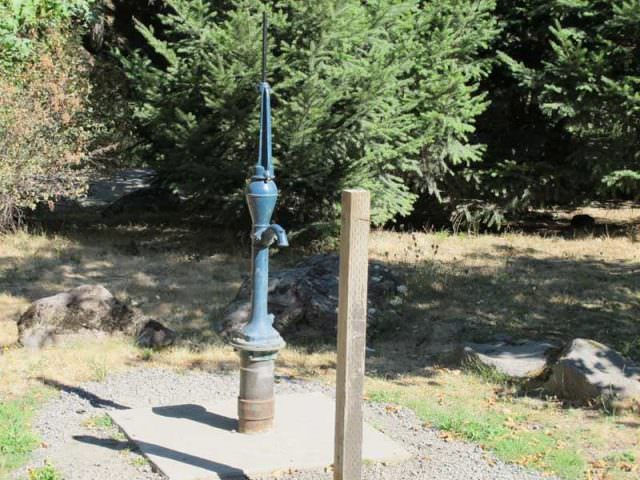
(524, 359)
(87, 307)
(588, 370)
(304, 299)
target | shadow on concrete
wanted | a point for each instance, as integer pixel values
(197, 413)
(93, 399)
(222, 470)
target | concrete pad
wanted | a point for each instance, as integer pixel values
(200, 442)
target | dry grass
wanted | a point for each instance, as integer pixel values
(624, 213)
(24, 371)
(178, 288)
(460, 287)
(517, 284)
(184, 289)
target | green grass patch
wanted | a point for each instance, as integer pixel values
(504, 434)
(146, 354)
(99, 421)
(621, 457)
(540, 451)
(139, 461)
(47, 472)
(16, 439)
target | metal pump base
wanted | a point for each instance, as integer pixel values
(256, 402)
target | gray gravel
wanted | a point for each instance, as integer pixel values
(82, 451)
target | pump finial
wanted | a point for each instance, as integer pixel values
(264, 46)
(264, 167)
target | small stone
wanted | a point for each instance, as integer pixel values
(153, 334)
(402, 289)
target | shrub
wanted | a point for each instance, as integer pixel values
(42, 137)
(23, 23)
(53, 123)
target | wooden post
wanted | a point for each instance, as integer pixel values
(352, 331)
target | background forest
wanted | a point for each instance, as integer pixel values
(469, 110)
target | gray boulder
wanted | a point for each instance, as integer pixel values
(588, 370)
(84, 308)
(304, 299)
(153, 334)
(524, 359)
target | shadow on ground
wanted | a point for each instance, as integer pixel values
(94, 400)
(226, 471)
(523, 296)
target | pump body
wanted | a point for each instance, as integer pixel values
(259, 342)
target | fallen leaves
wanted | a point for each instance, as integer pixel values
(392, 408)
(531, 459)
(627, 466)
(601, 469)
(511, 423)
(447, 436)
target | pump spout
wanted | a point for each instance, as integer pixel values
(266, 236)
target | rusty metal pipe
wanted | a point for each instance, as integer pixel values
(256, 403)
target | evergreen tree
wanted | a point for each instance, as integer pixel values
(380, 94)
(564, 122)
(591, 86)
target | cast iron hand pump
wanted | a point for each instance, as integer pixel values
(258, 341)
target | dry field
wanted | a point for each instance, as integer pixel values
(460, 287)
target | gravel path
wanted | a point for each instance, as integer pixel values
(82, 451)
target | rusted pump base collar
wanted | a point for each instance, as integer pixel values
(256, 403)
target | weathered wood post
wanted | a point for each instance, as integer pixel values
(352, 331)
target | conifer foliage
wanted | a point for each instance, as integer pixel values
(564, 122)
(380, 94)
